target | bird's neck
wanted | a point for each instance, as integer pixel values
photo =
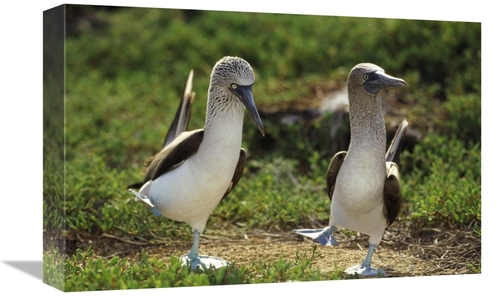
(223, 123)
(367, 123)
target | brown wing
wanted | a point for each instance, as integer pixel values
(392, 193)
(238, 172)
(333, 171)
(172, 156)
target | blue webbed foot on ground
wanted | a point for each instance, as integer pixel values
(365, 271)
(203, 262)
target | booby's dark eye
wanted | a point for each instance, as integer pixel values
(234, 86)
(365, 77)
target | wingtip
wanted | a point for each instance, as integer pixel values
(404, 123)
(189, 83)
(183, 114)
(188, 88)
(397, 142)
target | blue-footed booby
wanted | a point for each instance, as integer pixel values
(363, 183)
(186, 180)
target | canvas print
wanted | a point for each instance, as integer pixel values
(201, 148)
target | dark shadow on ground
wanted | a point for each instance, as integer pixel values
(33, 268)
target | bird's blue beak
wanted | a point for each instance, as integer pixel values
(245, 95)
(378, 81)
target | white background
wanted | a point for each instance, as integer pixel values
(21, 141)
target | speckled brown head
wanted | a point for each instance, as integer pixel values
(233, 77)
(372, 78)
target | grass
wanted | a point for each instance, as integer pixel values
(123, 80)
(86, 272)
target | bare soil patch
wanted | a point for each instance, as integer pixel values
(404, 251)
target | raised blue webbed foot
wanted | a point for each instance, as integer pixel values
(323, 235)
(146, 201)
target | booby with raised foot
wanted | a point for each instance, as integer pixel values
(363, 182)
(186, 180)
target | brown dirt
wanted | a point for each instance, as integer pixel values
(404, 251)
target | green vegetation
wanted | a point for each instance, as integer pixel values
(123, 81)
(86, 272)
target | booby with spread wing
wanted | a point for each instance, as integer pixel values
(186, 180)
